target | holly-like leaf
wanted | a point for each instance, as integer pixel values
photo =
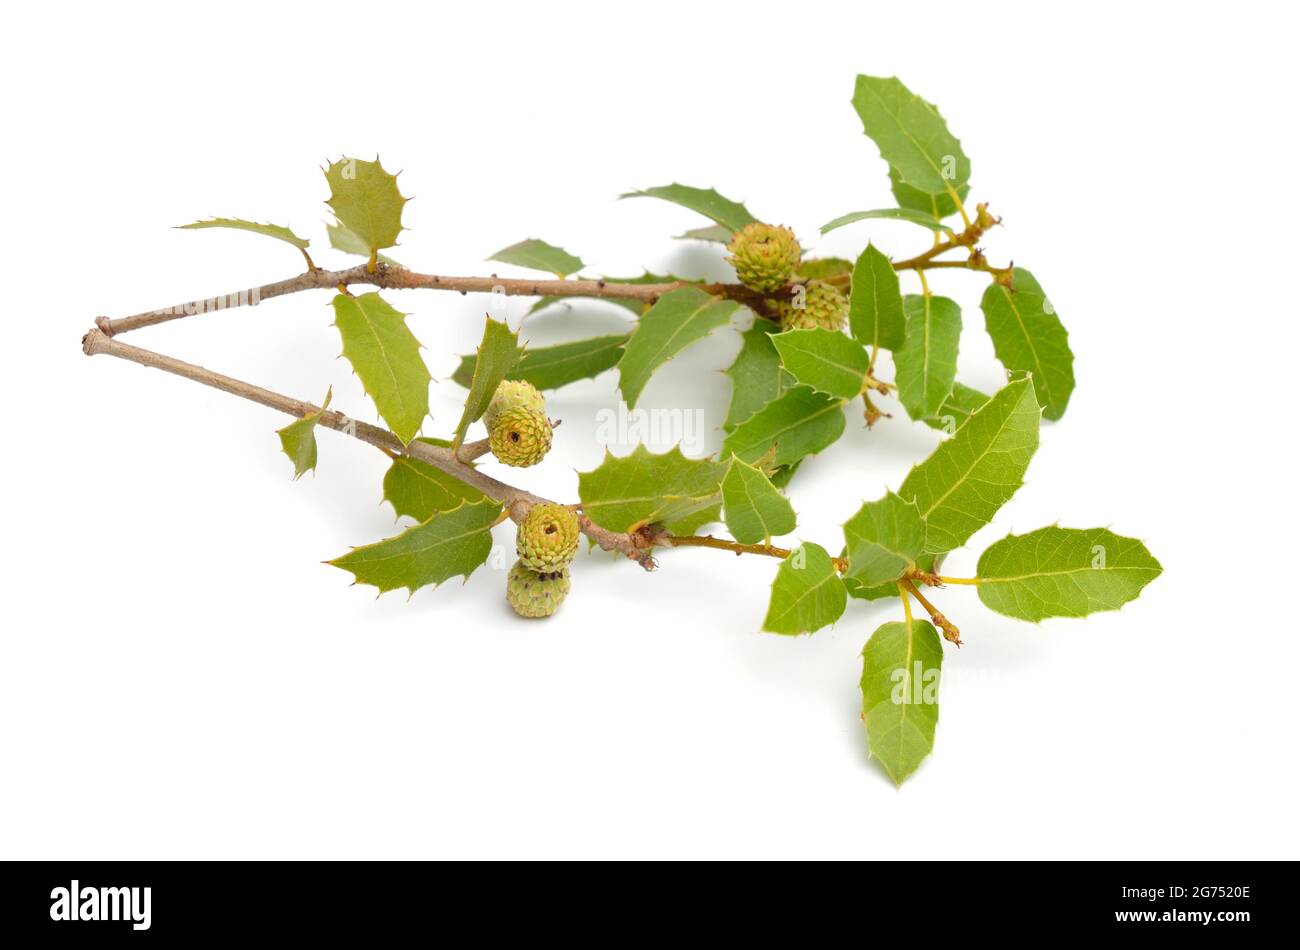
(883, 540)
(900, 694)
(497, 355)
(757, 376)
(450, 544)
(730, 214)
(911, 135)
(550, 367)
(298, 439)
(964, 482)
(956, 409)
(716, 233)
(1028, 336)
(277, 231)
(538, 255)
(807, 593)
(419, 490)
(385, 354)
(799, 422)
(911, 215)
(754, 509)
(936, 206)
(678, 319)
(366, 201)
(826, 360)
(926, 364)
(1063, 572)
(875, 302)
(887, 590)
(341, 239)
(622, 494)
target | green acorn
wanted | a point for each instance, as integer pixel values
(825, 306)
(547, 538)
(536, 595)
(512, 393)
(764, 255)
(520, 436)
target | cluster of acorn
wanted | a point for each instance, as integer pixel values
(767, 257)
(520, 435)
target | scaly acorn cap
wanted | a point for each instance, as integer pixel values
(520, 436)
(825, 306)
(511, 393)
(536, 595)
(765, 256)
(548, 537)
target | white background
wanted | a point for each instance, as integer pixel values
(181, 676)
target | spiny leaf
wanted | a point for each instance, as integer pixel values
(677, 319)
(875, 302)
(366, 201)
(936, 206)
(900, 694)
(717, 233)
(730, 214)
(450, 544)
(550, 367)
(757, 376)
(419, 490)
(887, 590)
(386, 356)
(826, 360)
(1028, 336)
(754, 510)
(926, 363)
(964, 482)
(956, 409)
(807, 593)
(883, 540)
(800, 422)
(538, 255)
(1063, 572)
(922, 218)
(277, 231)
(497, 355)
(298, 439)
(644, 488)
(341, 239)
(911, 135)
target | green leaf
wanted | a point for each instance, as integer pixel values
(341, 239)
(1028, 336)
(800, 422)
(754, 509)
(717, 233)
(538, 255)
(821, 268)
(956, 409)
(418, 490)
(385, 354)
(450, 544)
(875, 303)
(677, 319)
(365, 200)
(900, 694)
(870, 592)
(1063, 572)
(964, 482)
(911, 135)
(279, 232)
(550, 367)
(826, 360)
(937, 206)
(496, 357)
(883, 540)
(622, 494)
(926, 364)
(757, 376)
(730, 214)
(807, 593)
(912, 215)
(298, 439)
